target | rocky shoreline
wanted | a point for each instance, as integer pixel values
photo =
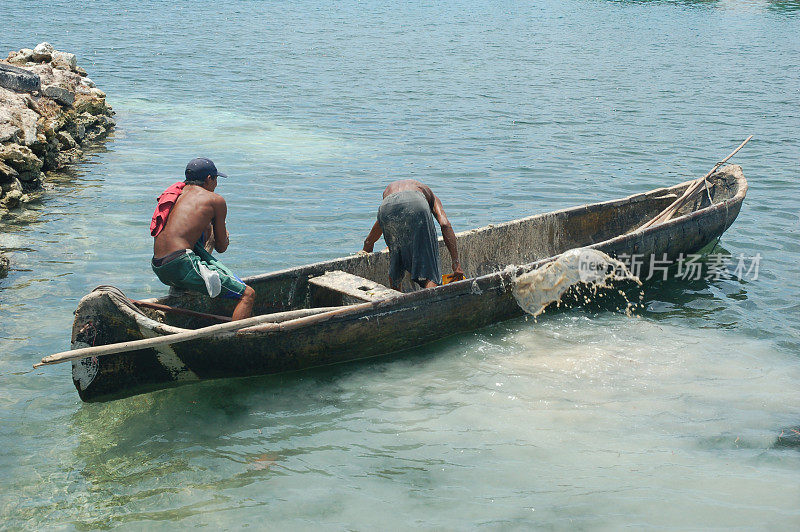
(50, 111)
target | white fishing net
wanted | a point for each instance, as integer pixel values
(537, 289)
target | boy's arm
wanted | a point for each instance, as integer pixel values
(221, 239)
(208, 234)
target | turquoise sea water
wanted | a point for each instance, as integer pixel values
(584, 420)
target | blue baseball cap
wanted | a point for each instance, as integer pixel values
(200, 168)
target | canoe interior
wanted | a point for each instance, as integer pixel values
(482, 251)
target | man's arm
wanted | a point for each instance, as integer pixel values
(449, 237)
(220, 232)
(373, 236)
(208, 234)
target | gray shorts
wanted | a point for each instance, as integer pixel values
(408, 229)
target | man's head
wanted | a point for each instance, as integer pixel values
(202, 172)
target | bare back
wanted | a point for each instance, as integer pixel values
(195, 210)
(437, 209)
(411, 184)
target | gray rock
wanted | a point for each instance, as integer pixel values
(97, 132)
(17, 120)
(23, 160)
(56, 76)
(64, 60)
(91, 105)
(14, 184)
(11, 199)
(43, 52)
(48, 154)
(107, 121)
(21, 57)
(66, 140)
(4, 264)
(26, 120)
(18, 79)
(8, 130)
(6, 172)
(32, 105)
(49, 110)
(87, 120)
(59, 94)
(32, 178)
(10, 98)
(44, 71)
(68, 157)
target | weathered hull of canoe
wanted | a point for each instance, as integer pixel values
(384, 326)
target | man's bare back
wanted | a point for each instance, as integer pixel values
(195, 210)
(198, 209)
(411, 184)
(437, 210)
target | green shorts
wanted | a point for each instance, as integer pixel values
(183, 271)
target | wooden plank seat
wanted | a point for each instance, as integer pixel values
(336, 288)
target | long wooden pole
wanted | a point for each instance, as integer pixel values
(667, 213)
(176, 310)
(278, 320)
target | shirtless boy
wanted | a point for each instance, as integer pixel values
(180, 232)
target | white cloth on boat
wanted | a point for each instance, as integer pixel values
(211, 278)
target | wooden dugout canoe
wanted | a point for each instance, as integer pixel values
(389, 321)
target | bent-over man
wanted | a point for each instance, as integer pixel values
(405, 218)
(185, 215)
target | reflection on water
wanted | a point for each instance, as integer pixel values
(788, 437)
(581, 400)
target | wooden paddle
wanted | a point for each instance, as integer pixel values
(279, 321)
(176, 310)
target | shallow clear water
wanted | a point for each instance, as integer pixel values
(585, 419)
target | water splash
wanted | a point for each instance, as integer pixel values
(537, 289)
